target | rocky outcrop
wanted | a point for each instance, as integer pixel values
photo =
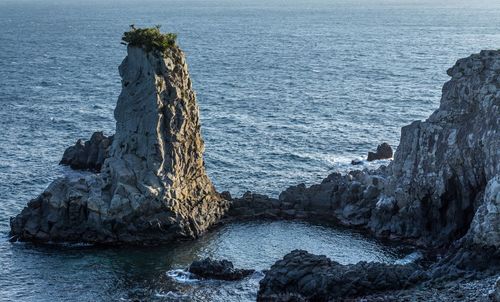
(442, 184)
(308, 277)
(153, 187)
(343, 199)
(441, 167)
(88, 155)
(218, 269)
(384, 151)
(431, 190)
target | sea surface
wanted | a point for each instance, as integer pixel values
(289, 91)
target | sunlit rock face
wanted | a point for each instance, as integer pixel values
(153, 187)
(442, 165)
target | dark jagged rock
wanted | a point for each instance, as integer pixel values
(384, 151)
(432, 189)
(343, 199)
(443, 185)
(218, 269)
(88, 155)
(442, 165)
(317, 278)
(153, 187)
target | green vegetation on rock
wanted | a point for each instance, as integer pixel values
(149, 38)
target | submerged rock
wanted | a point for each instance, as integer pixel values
(218, 269)
(153, 186)
(88, 155)
(317, 278)
(384, 151)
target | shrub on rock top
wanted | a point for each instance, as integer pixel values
(149, 38)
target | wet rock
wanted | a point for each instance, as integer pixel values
(494, 294)
(356, 162)
(88, 155)
(317, 278)
(384, 151)
(153, 186)
(218, 269)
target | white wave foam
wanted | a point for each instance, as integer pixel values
(182, 276)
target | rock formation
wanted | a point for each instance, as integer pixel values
(384, 151)
(309, 277)
(88, 155)
(436, 182)
(442, 165)
(218, 269)
(153, 186)
(442, 190)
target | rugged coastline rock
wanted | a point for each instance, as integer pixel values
(440, 191)
(218, 269)
(88, 155)
(384, 151)
(431, 190)
(153, 187)
(309, 277)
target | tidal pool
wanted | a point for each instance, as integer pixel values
(67, 273)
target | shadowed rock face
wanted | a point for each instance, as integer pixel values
(153, 186)
(430, 192)
(444, 183)
(384, 151)
(308, 277)
(218, 269)
(88, 155)
(442, 165)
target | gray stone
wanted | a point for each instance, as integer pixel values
(88, 155)
(152, 187)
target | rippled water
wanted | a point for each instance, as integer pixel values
(288, 92)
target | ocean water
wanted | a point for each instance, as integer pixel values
(289, 91)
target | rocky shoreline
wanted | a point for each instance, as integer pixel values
(441, 192)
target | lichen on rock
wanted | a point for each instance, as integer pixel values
(153, 186)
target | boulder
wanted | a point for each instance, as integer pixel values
(311, 277)
(218, 269)
(88, 155)
(153, 187)
(384, 151)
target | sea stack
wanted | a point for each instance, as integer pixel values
(153, 187)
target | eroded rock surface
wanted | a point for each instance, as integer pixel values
(218, 269)
(153, 186)
(309, 277)
(88, 155)
(436, 182)
(443, 184)
(441, 167)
